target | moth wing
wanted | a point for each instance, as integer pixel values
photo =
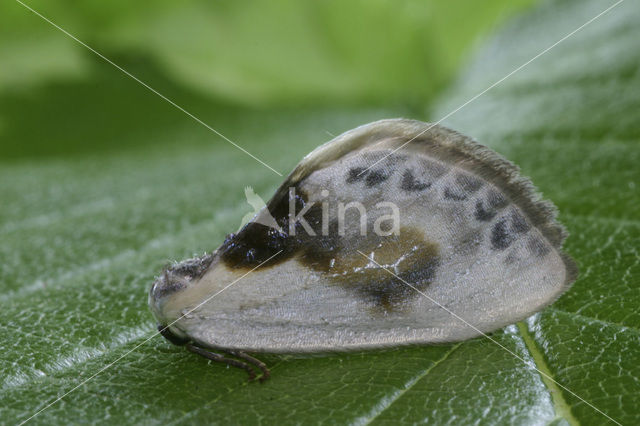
(473, 238)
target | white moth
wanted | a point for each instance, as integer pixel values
(444, 214)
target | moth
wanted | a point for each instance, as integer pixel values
(368, 246)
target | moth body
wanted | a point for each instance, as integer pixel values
(357, 221)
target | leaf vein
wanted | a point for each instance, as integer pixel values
(389, 400)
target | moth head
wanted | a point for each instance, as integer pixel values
(166, 290)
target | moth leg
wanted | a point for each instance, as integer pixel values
(255, 361)
(219, 358)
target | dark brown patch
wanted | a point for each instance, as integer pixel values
(256, 243)
(411, 184)
(408, 255)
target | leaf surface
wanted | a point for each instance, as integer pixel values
(83, 236)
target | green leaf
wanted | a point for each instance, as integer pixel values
(83, 236)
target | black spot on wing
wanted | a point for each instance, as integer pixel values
(355, 174)
(376, 177)
(501, 238)
(505, 231)
(454, 194)
(468, 183)
(411, 184)
(518, 223)
(496, 200)
(464, 186)
(370, 177)
(486, 209)
(483, 213)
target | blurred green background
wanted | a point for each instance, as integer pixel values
(102, 183)
(221, 61)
